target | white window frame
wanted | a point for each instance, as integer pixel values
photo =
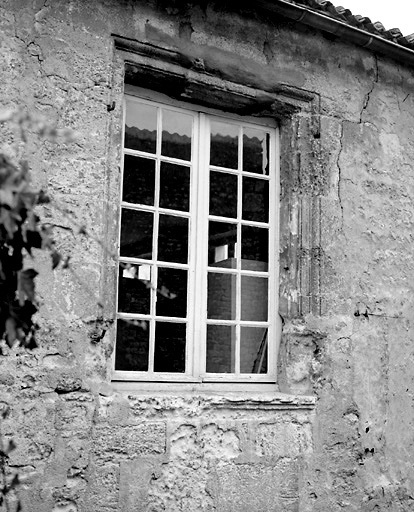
(198, 250)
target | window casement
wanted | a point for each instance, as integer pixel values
(198, 245)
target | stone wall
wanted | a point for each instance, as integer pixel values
(84, 444)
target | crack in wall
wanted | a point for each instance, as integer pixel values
(341, 147)
(368, 95)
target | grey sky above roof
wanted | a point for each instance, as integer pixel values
(392, 14)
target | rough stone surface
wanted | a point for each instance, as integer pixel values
(347, 266)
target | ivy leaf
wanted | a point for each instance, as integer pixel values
(33, 240)
(56, 258)
(8, 220)
(7, 197)
(26, 285)
(11, 332)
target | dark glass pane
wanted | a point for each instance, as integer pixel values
(255, 248)
(139, 180)
(173, 239)
(176, 135)
(136, 233)
(221, 297)
(132, 344)
(134, 292)
(169, 353)
(254, 298)
(223, 194)
(224, 145)
(255, 151)
(253, 350)
(255, 200)
(221, 344)
(140, 127)
(222, 239)
(175, 187)
(172, 292)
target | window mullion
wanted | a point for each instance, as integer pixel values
(238, 257)
(154, 273)
(202, 243)
(192, 327)
(273, 300)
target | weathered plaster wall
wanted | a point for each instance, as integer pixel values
(84, 447)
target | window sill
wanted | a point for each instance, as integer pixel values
(238, 396)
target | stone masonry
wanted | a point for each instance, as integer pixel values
(337, 433)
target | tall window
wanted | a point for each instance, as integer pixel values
(197, 246)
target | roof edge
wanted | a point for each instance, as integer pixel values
(338, 28)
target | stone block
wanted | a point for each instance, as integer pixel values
(119, 443)
(247, 487)
(135, 479)
(103, 491)
(283, 439)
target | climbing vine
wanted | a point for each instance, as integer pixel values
(21, 231)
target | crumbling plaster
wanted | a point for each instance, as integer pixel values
(83, 446)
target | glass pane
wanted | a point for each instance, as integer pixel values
(139, 180)
(221, 297)
(221, 348)
(173, 239)
(255, 151)
(132, 344)
(254, 248)
(134, 289)
(169, 353)
(255, 200)
(176, 135)
(253, 350)
(172, 292)
(224, 145)
(136, 234)
(175, 187)
(223, 194)
(140, 126)
(254, 298)
(222, 244)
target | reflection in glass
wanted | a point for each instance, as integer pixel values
(254, 298)
(255, 247)
(255, 199)
(169, 353)
(221, 343)
(222, 244)
(134, 289)
(140, 127)
(224, 145)
(173, 239)
(176, 135)
(139, 180)
(221, 296)
(253, 350)
(223, 194)
(136, 234)
(255, 151)
(175, 187)
(172, 292)
(132, 344)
